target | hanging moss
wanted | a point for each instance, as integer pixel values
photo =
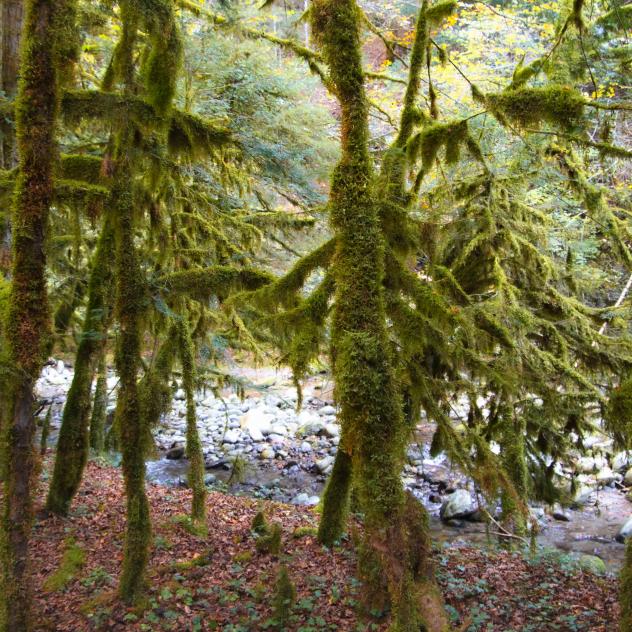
(217, 281)
(193, 443)
(73, 443)
(558, 105)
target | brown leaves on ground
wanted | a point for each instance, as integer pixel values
(220, 582)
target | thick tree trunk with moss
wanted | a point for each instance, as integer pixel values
(365, 389)
(336, 499)
(194, 445)
(100, 406)
(73, 443)
(130, 305)
(27, 327)
(625, 591)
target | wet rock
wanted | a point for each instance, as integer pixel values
(592, 564)
(210, 479)
(457, 505)
(217, 464)
(560, 513)
(176, 452)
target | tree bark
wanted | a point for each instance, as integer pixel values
(28, 323)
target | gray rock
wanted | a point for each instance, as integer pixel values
(457, 505)
(306, 447)
(176, 452)
(332, 430)
(301, 499)
(627, 479)
(560, 513)
(232, 436)
(266, 453)
(625, 531)
(327, 410)
(325, 464)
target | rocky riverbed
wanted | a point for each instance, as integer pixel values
(263, 447)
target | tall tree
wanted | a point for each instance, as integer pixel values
(43, 63)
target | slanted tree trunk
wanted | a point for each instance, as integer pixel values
(27, 324)
(73, 443)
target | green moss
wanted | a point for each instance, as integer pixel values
(27, 324)
(557, 105)
(259, 524)
(304, 532)
(625, 590)
(271, 540)
(284, 597)
(72, 562)
(618, 413)
(336, 500)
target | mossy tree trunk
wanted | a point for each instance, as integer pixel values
(625, 590)
(100, 405)
(370, 405)
(11, 25)
(27, 327)
(73, 443)
(194, 445)
(130, 306)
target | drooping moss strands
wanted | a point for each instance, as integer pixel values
(100, 406)
(73, 443)
(194, 445)
(27, 326)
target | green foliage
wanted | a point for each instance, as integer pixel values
(284, 597)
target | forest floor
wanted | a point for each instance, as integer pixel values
(221, 582)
